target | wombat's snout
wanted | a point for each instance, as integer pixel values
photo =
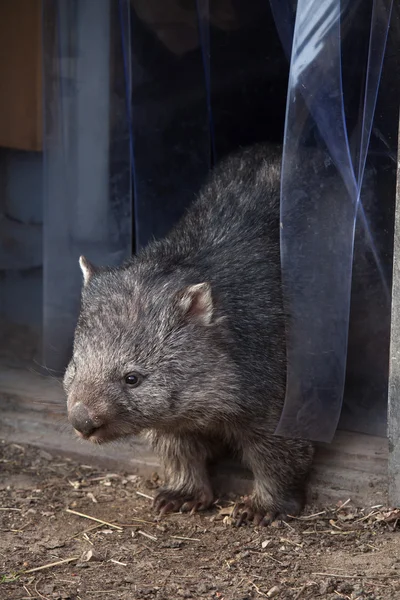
(81, 421)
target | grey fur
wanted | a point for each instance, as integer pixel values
(213, 365)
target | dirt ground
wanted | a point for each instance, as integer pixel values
(48, 553)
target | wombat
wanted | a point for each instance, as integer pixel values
(185, 343)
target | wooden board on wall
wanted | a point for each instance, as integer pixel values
(21, 74)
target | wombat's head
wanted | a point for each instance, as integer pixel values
(148, 354)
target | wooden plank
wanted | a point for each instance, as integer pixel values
(331, 479)
(26, 390)
(54, 435)
(32, 409)
(27, 384)
(21, 74)
(394, 364)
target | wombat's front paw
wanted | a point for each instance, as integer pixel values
(252, 510)
(169, 500)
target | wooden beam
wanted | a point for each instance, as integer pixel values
(21, 74)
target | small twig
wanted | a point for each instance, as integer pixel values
(37, 591)
(181, 537)
(50, 565)
(342, 595)
(337, 575)
(257, 589)
(331, 531)
(376, 577)
(27, 591)
(333, 524)
(147, 547)
(343, 505)
(290, 542)
(136, 552)
(109, 476)
(7, 508)
(85, 535)
(137, 521)
(150, 537)
(74, 512)
(286, 524)
(166, 579)
(299, 593)
(308, 517)
(371, 514)
(87, 530)
(273, 558)
(315, 531)
(117, 562)
(144, 495)
(266, 554)
(99, 591)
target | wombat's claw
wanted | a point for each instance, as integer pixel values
(165, 503)
(167, 507)
(169, 501)
(192, 507)
(244, 512)
(257, 518)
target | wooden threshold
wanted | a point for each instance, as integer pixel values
(32, 411)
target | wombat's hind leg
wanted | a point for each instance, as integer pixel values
(188, 486)
(280, 467)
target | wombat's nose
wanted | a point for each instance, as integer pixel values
(80, 419)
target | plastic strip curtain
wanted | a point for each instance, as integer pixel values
(87, 200)
(320, 194)
(170, 111)
(203, 20)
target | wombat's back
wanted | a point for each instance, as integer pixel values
(237, 205)
(231, 227)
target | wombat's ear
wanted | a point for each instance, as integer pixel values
(196, 303)
(88, 270)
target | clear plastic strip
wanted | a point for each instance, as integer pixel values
(318, 210)
(284, 15)
(203, 20)
(124, 19)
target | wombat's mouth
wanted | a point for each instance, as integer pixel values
(100, 427)
(106, 433)
(97, 437)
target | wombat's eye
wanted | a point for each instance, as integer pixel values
(133, 379)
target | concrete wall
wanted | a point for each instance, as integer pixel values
(21, 210)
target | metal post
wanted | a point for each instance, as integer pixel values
(87, 159)
(394, 368)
